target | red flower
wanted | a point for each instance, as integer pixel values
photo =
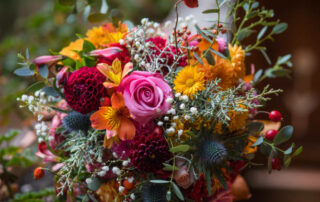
(84, 89)
(192, 3)
(198, 192)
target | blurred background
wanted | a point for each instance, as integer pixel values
(40, 25)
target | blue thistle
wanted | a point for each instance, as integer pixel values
(212, 152)
(76, 121)
(154, 193)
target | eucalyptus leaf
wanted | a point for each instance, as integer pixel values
(284, 59)
(257, 75)
(255, 127)
(104, 7)
(44, 71)
(177, 191)
(258, 142)
(218, 53)
(95, 184)
(279, 28)
(168, 167)
(24, 71)
(284, 135)
(198, 58)
(265, 55)
(289, 150)
(203, 34)
(159, 181)
(245, 33)
(297, 152)
(262, 32)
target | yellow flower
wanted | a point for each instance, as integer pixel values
(248, 149)
(238, 120)
(100, 37)
(229, 71)
(108, 192)
(114, 73)
(189, 81)
(69, 50)
(180, 133)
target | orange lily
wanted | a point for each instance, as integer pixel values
(114, 73)
(115, 119)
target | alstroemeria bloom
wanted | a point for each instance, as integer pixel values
(115, 119)
(47, 59)
(45, 153)
(106, 53)
(114, 73)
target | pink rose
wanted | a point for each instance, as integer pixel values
(183, 177)
(145, 95)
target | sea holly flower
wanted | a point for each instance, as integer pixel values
(114, 73)
(115, 119)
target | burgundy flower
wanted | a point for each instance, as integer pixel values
(84, 89)
(161, 44)
(198, 192)
(149, 151)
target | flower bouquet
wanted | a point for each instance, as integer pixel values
(143, 114)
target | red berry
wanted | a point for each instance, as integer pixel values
(38, 173)
(270, 134)
(276, 164)
(275, 116)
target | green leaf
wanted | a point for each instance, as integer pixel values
(287, 160)
(255, 5)
(218, 53)
(257, 75)
(177, 191)
(265, 149)
(210, 11)
(180, 148)
(220, 177)
(159, 181)
(262, 32)
(297, 152)
(284, 135)
(9, 136)
(68, 62)
(88, 46)
(36, 86)
(255, 127)
(44, 71)
(95, 184)
(24, 71)
(209, 58)
(168, 167)
(104, 7)
(198, 57)
(284, 59)
(275, 72)
(90, 61)
(270, 161)
(50, 91)
(258, 142)
(67, 2)
(278, 29)
(245, 33)
(289, 150)
(203, 34)
(265, 55)
(97, 17)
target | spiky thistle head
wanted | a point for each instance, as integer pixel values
(154, 193)
(212, 152)
(76, 121)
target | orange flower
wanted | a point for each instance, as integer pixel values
(115, 119)
(114, 73)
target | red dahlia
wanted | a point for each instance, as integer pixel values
(84, 89)
(149, 151)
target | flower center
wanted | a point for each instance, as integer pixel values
(189, 82)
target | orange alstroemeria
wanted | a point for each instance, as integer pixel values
(115, 119)
(114, 73)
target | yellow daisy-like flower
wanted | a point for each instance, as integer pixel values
(189, 81)
(229, 71)
(108, 192)
(69, 50)
(100, 37)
